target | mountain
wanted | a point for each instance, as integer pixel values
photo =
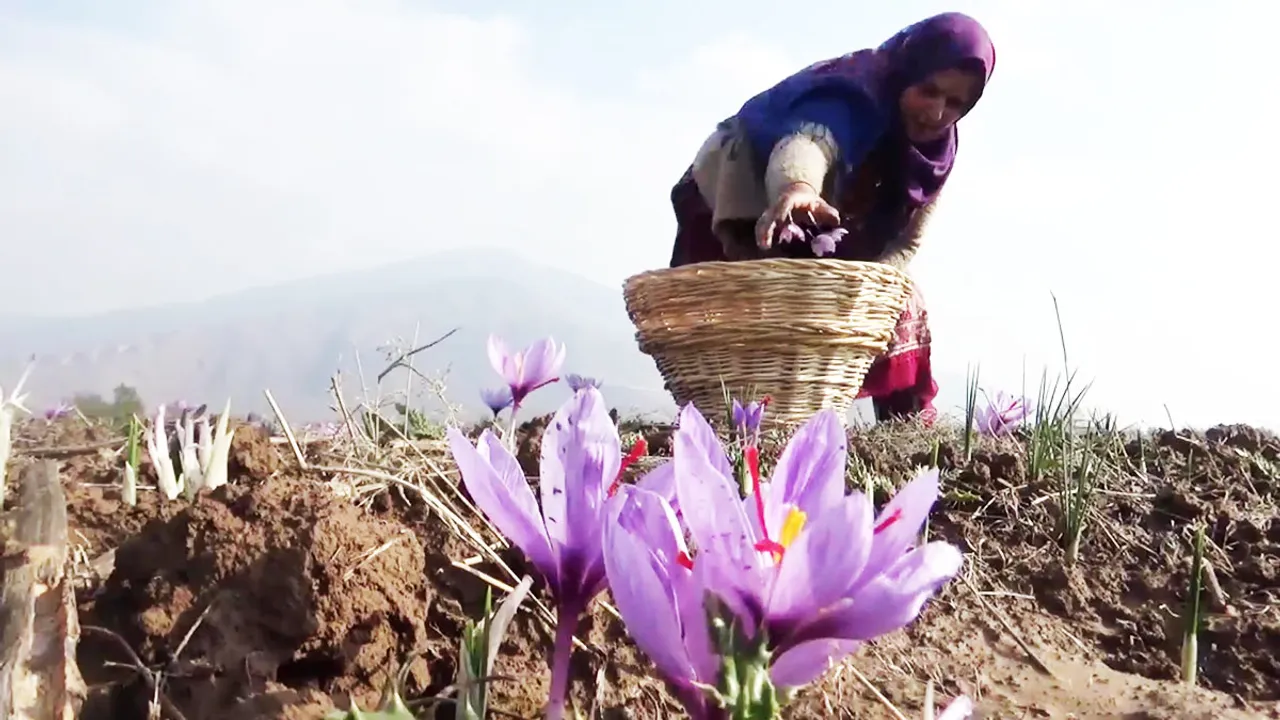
(291, 338)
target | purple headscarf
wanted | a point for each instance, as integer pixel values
(856, 97)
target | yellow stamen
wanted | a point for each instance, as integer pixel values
(791, 528)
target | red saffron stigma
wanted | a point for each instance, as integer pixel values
(752, 455)
(684, 561)
(884, 524)
(637, 451)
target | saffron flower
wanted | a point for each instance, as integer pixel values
(58, 411)
(746, 420)
(658, 594)
(577, 382)
(581, 462)
(1001, 415)
(496, 399)
(825, 243)
(790, 233)
(808, 572)
(526, 370)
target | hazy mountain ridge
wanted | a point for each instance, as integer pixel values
(292, 337)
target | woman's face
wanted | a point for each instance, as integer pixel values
(934, 104)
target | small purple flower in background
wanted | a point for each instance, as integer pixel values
(322, 429)
(526, 370)
(825, 243)
(578, 382)
(59, 411)
(746, 420)
(1000, 416)
(496, 399)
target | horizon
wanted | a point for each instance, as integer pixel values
(167, 153)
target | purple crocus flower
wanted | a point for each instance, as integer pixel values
(526, 370)
(746, 420)
(58, 411)
(581, 460)
(496, 399)
(1000, 416)
(655, 588)
(577, 382)
(790, 233)
(813, 569)
(825, 243)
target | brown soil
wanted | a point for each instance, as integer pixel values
(277, 597)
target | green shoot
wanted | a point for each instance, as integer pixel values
(480, 644)
(1079, 474)
(1193, 616)
(970, 410)
(132, 460)
(1054, 418)
(391, 706)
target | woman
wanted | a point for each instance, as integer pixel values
(864, 142)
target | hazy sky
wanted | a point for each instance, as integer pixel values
(172, 149)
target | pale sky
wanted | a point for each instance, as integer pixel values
(1122, 158)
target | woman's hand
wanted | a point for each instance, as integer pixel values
(798, 201)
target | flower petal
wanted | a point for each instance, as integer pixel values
(644, 596)
(493, 478)
(695, 425)
(500, 358)
(662, 480)
(910, 506)
(823, 563)
(542, 362)
(721, 532)
(810, 472)
(581, 455)
(890, 601)
(648, 516)
(806, 662)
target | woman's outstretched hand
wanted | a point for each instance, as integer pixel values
(800, 201)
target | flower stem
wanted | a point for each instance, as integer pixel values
(561, 652)
(511, 431)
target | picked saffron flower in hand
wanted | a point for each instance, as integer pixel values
(790, 233)
(581, 460)
(526, 370)
(496, 399)
(1002, 414)
(825, 243)
(806, 571)
(577, 382)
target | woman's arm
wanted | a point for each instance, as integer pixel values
(899, 251)
(819, 133)
(804, 156)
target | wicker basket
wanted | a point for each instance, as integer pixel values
(801, 331)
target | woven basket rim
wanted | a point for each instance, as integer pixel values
(751, 268)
